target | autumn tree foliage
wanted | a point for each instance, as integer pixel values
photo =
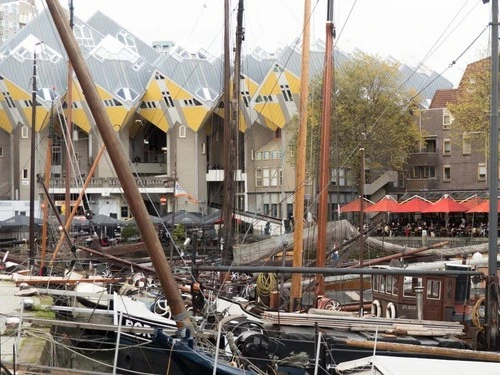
(471, 108)
(371, 109)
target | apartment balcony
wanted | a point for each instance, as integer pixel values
(149, 168)
(217, 175)
(423, 159)
(106, 183)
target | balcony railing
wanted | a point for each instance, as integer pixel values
(214, 175)
(106, 182)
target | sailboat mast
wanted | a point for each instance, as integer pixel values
(231, 118)
(32, 163)
(300, 168)
(324, 164)
(121, 166)
(492, 281)
(69, 127)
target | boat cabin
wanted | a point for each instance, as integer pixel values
(440, 298)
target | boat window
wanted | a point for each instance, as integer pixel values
(395, 281)
(382, 283)
(375, 282)
(388, 284)
(410, 284)
(433, 289)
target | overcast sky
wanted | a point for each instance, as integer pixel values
(429, 32)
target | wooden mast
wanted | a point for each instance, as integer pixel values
(121, 165)
(324, 164)
(300, 171)
(231, 118)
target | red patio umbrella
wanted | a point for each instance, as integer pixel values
(386, 204)
(472, 201)
(355, 205)
(445, 204)
(414, 204)
(483, 208)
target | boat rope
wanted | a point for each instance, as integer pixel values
(476, 316)
(266, 283)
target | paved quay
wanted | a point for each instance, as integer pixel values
(10, 306)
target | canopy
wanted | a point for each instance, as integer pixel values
(386, 204)
(413, 204)
(101, 220)
(154, 219)
(183, 217)
(445, 205)
(212, 218)
(355, 205)
(483, 208)
(18, 221)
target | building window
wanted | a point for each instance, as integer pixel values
(274, 210)
(252, 154)
(258, 178)
(265, 207)
(203, 148)
(446, 147)
(24, 132)
(446, 121)
(1, 152)
(430, 145)
(446, 173)
(265, 177)
(338, 177)
(25, 174)
(481, 172)
(423, 172)
(182, 131)
(124, 211)
(274, 177)
(56, 155)
(466, 145)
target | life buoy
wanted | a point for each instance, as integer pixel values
(390, 311)
(376, 309)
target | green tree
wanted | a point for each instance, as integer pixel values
(470, 110)
(370, 109)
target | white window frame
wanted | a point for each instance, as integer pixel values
(274, 177)
(446, 147)
(447, 120)
(466, 145)
(266, 177)
(481, 172)
(182, 131)
(258, 177)
(24, 132)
